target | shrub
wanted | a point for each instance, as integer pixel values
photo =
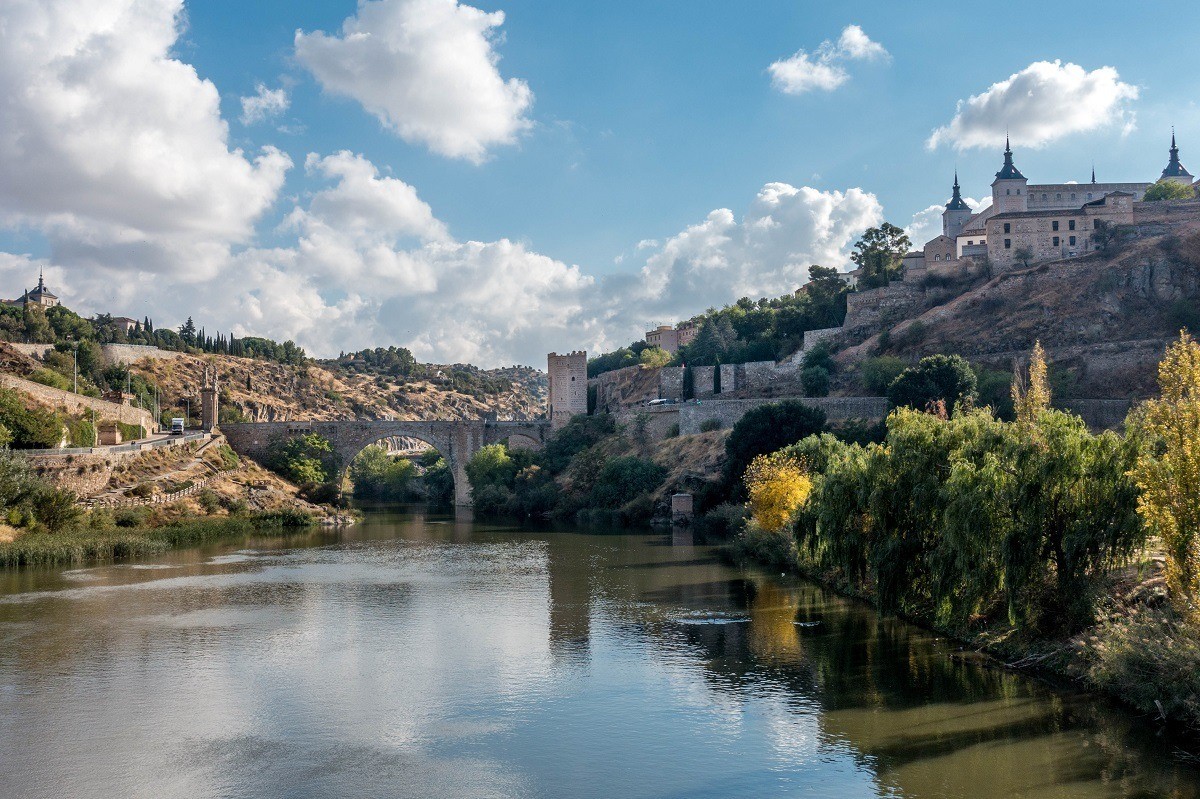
(815, 380)
(944, 378)
(48, 377)
(229, 458)
(723, 521)
(208, 501)
(673, 431)
(879, 372)
(621, 480)
(575, 436)
(820, 357)
(31, 428)
(768, 428)
(654, 358)
(709, 425)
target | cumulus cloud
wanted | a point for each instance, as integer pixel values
(1043, 102)
(427, 69)
(766, 253)
(823, 69)
(114, 149)
(264, 104)
(927, 223)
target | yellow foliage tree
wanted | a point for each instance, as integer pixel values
(778, 485)
(1031, 396)
(1168, 473)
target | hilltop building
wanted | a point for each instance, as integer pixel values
(1040, 221)
(672, 338)
(40, 296)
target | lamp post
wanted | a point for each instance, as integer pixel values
(75, 361)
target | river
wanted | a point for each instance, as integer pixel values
(419, 656)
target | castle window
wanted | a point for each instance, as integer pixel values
(1058, 196)
(1007, 227)
(1056, 241)
(1008, 191)
(1054, 225)
(1071, 224)
(937, 257)
(1095, 224)
(1072, 195)
(1072, 240)
(1043, 195)
(1018, 192)
(1008, 244)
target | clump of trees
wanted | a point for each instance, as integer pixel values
(307, 460)
(945, 379)
(377, 475)
(401, 366)
(1169, 190)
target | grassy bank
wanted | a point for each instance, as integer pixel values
(108, 543)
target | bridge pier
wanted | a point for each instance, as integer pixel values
(457, 441)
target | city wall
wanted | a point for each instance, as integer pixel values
(77, 403)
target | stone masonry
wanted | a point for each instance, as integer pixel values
(568, 380)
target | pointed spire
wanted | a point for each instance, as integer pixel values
(1093, 172)
(1008, 171)
(1174, 168)
(956, 202)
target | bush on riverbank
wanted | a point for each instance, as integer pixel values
(104, 540)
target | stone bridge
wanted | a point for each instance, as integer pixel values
(457, 441)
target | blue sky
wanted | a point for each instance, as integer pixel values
(645, 118)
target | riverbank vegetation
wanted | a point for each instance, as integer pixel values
(1035, 538)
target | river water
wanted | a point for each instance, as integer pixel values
(420, 656)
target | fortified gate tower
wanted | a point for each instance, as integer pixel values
(568, 386)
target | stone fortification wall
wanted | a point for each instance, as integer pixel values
(77, 403)
(658, 422)
(868, 312)
(131, 353)
(703, 381)
(32, 350)
(86, 471)
(636, 385)
(728, 412)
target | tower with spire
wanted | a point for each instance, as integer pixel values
(1175, 171)
(956, 214)
(1010, 188)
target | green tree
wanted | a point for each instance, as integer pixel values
(944, 378)
(879, 372)
(31, 427)
(815, 381)
(376, 474)
(305, 460)
(766, 429)
(880, 253)
(655, 358)
(1169, 190)
(622, 480)
(715, 339)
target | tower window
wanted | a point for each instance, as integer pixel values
(1072, 195)
(1018, 192)
(1071, 224)
(1008, 244)
(1043, 196)
(1007, 227)
(1008, 191)
(1058, 196)
(1054, 225)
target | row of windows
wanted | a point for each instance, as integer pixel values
(1071, 241)
(1070, 224)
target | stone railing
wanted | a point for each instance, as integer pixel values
(155, 499)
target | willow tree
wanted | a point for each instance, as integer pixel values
(1168, 472)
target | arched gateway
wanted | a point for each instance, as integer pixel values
(456, 441)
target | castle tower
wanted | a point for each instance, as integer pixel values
(1009, 188)
(568, 387)
(209, 392)
(1175, 171)
(956, 214)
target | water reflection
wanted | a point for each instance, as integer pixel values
(435, 656)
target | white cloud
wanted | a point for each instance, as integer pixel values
(264, 104)
(767, 253)
(1041, 103)
(113, 149)
(803, 72)
(926, 224)
(427, 69)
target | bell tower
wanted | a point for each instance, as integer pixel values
(1009, 188)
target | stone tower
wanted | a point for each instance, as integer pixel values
(956, 214)
(1175, 171)
(209, 393)
(568, 386)
(1009, 188)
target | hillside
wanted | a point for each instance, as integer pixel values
(1104, 319)
(264, 391)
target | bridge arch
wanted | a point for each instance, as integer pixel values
(457, 441)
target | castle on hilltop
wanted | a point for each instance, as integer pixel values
(1035, 221)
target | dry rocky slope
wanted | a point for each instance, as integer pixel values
(1105, 318)
(267, 392)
